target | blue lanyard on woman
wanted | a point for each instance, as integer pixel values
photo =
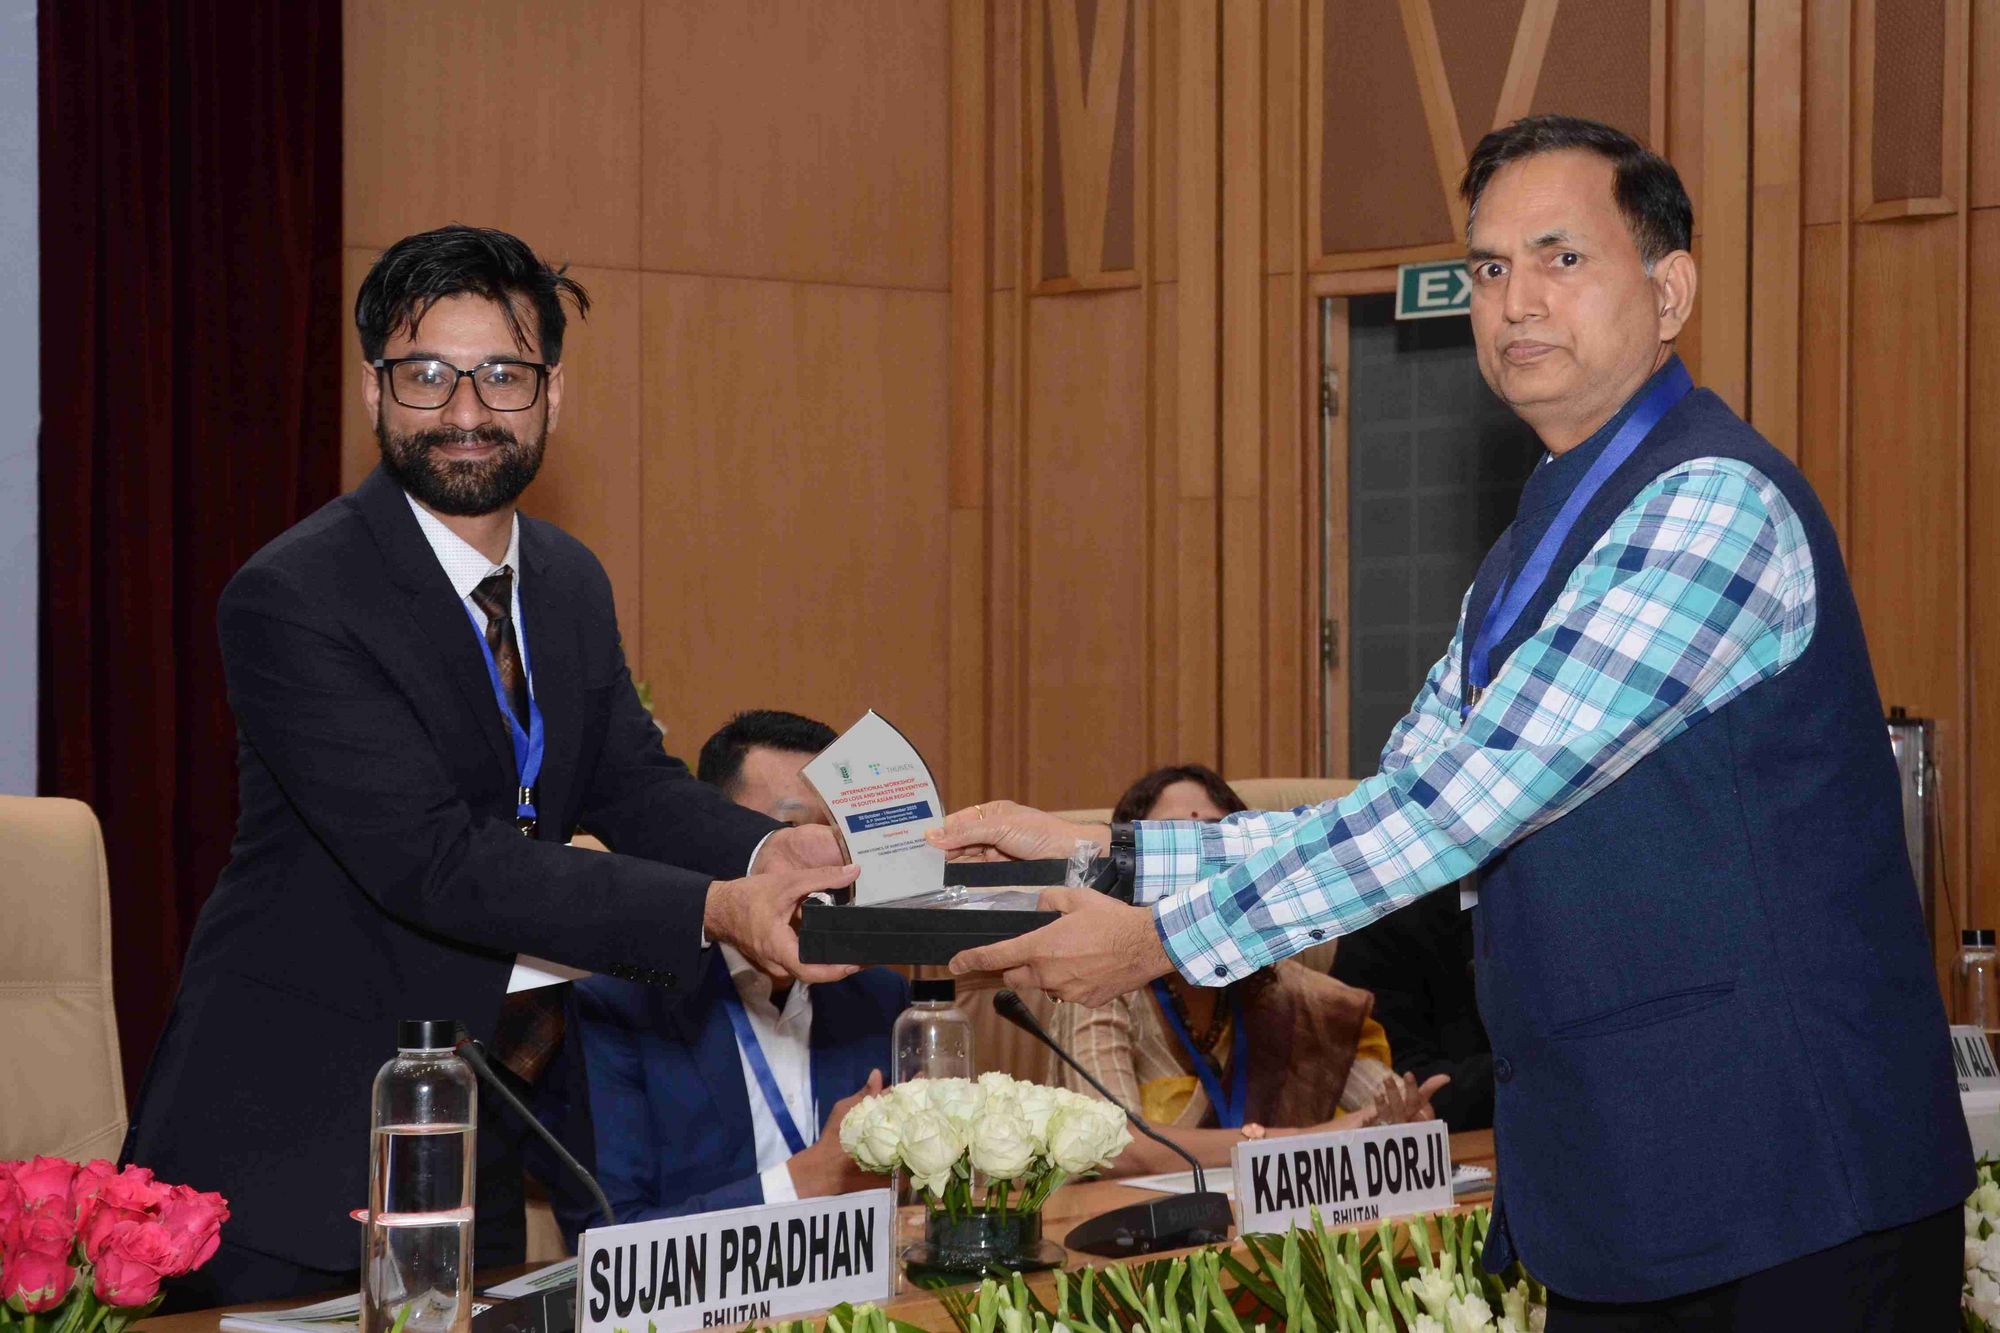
(528, 743)
(753, 1052)
(1228, 1110)
(1518, 589)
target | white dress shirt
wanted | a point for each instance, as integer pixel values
(786, 1039)
(467, 569)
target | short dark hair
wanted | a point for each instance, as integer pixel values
(721, 762)
(1144, 794)
(1645, 185)
(418, 271)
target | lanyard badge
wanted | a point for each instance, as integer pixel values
(1519, 588)
(528, 742)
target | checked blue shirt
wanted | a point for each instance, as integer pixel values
(1702, 587)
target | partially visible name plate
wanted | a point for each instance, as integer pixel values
(1350, 1176)
(737, 1265)
(1972, 1060)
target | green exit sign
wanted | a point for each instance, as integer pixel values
(1426, 291)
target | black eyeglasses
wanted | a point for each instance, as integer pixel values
(426, 383)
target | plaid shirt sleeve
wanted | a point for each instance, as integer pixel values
(1702, 587)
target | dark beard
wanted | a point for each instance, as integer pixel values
(461, 487)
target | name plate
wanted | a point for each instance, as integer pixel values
(1972, 1060)
(736, 1265)
(1350, 1176)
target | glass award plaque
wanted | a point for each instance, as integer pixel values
(909, 905)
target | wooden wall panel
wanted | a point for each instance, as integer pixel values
(511, 113)
(1984, 119)
(1244, 651)
(795, 548)
(797, 141)
(1776, 203)
(1822, 346)
(1085, 575)
(1983, 571)
(1905, 543)
(1823, 133)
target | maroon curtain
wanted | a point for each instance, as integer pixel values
(192, 352)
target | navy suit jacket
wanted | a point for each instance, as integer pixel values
(377, 873)
(668, 1103)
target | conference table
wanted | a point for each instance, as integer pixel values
(1066, 1208)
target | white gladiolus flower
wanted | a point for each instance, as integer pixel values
(1468, 1313)
(1432, 1290)
(1000, 1144)
(931, 1148)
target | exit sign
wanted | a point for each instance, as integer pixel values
(1426, 291)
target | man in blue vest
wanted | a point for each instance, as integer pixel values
(1724, 1096)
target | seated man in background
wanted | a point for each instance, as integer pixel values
(755, 760)
(1286, 1050)
(1418, 962)
(734, 1095)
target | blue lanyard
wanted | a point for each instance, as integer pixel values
(746, 1041)
(1516, 590)
(1228, 1110)
(527, 744)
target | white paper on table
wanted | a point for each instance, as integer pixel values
(531, 973)
(1222, 1179)
(883, 801)
(561, 1273)
(342, 1314)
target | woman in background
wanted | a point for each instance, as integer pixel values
(1287, 1050)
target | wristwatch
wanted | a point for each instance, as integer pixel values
(1116, 874)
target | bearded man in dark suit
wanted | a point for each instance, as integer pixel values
(421, 676)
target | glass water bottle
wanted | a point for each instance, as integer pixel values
(1978, 982)
(416, 1256)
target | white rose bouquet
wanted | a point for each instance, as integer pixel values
(1981, 1294)
(996, 1143)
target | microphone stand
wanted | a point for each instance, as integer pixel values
(1174, 1222)
(475, 1055)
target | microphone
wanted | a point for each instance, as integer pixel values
(475, 1055)
(1175, 1222)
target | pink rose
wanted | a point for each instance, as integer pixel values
(133, 1259)
(46, 1232)
(193, 1220)
(45, 1183)
(12, 1206)
(130, 1196)
(31, 1281)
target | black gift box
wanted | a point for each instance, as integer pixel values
(891, 934)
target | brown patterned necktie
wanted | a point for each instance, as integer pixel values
(531, 1022)
(495, 596)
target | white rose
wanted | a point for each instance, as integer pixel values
(1000, 1144)
(993, 1081)
(1082, 1138)
(931, 1148)
(1037, 1104)
(958, 1100)
(872, 1134)
(1986, 1199)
